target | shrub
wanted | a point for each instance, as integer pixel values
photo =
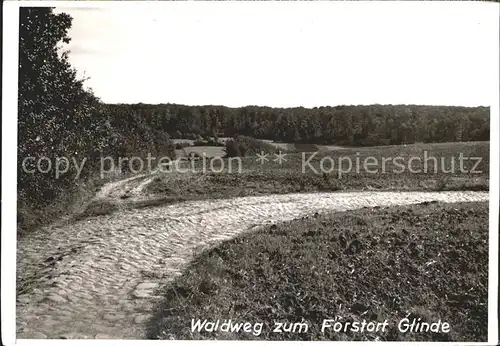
(244, 146)
(232, 149)
(181, 145)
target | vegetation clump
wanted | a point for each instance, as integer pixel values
(246, 146)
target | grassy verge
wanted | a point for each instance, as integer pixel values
(69, 202)
(373, 264)
(73, 203)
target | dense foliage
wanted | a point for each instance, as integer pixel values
(56, 114)
(57, 117)
(342, 125)
(245, 146)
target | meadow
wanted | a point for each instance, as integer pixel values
(270, 177)
(301, 147)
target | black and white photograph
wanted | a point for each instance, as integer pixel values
(266, 171)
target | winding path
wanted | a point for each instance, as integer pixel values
(96, 278)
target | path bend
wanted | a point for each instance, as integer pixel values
(96, 278)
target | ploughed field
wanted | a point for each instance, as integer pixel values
(425, 262)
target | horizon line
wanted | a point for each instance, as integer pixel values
(291, 107)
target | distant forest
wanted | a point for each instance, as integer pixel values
(342, 125)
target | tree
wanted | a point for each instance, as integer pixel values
(56, 116)
(232, 149)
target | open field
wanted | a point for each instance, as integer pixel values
(209, 151)
(182, 140)
(373, 263)
(221, 140)
(224, 139)
(301, 147)
(329, 147)
(270, 178)
(280, 145)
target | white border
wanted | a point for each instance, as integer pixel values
(9, 169)
(9, 176)
(493, 319)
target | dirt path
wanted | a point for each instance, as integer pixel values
(97, 278)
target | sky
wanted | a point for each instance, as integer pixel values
(287, 54)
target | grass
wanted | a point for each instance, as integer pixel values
(373, 264)
(182, 140)
(295, 147)
(98, 208)
(222, 140)
(75, 204)
(272, 178)
(227, 185)
(209, 151)
(281, 145)
(68, 203)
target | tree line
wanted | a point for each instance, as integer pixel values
(342, 125)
